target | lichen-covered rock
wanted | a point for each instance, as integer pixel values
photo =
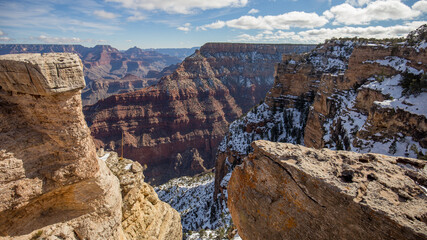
(144, 215)
(52, 185)
(285, 191)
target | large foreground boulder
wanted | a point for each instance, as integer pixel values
(285, 191)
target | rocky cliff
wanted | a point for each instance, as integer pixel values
(176, 126)
(53, 185)
(285, 191)
(105, 66)
(352, 94)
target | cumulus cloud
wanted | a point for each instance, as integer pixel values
(375, 11)
(137, 16)
(420, 6)
(105, 15)
(320, 35)
(269, 22)
(185, 28)
(5, 39)
(253, 11)
(180, 6)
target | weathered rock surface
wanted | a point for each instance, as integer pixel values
(285, 191)
(144, 215)
(105, 66)
(52, 184)
(176, 126)
(345, 94)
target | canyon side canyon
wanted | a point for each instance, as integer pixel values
(53, 184)
(176, 126)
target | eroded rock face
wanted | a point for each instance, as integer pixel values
(344, 95)
(51, 182)
(285, 191)
(144, 215)
(176, 126)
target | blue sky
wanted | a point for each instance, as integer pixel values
(188, 23)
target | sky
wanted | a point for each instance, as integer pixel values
(191, 23)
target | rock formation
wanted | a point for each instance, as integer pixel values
(176, 126)
(173, 127)
(285, 191)
(144, 215)
(105, 66)
(52, 184)
(358, 95)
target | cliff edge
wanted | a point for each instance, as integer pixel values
(286, 191)
(52, 183)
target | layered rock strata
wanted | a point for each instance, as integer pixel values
(105, 67)
(144, 215)
(52, 183)
(358, 95)
(285, 191)
(176, 126)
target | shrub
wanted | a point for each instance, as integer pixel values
(413, 84)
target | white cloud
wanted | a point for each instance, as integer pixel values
(105, 15)
(185, 28)
(253, 11)
(320, 35)
(137, 16)
(5, 39)
(420, 6)
(269, 22)
(375, 11)
(358, 3)
(1, 33)
(64, 40)
(180, 6)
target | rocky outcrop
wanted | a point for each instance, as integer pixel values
(52, 183)
(144, 215)
(176, 126)
(285, 191)
(105, 66)
(345, 94)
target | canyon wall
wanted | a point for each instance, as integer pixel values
(107, 70)
(347, 94)
(52, 184)
(286, 191)
(175, 127)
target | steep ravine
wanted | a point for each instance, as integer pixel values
(176, 126)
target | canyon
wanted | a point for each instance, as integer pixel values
(53, 184)
(107, 70)
(176, 126)
(345, 95)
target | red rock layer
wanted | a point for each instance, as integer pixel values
(187, 110)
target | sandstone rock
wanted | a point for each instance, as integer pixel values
(144, 215)
(285, 191)
(52, 185)
(189, 109)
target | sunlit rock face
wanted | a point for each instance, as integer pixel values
(52, 183)
(286, 191)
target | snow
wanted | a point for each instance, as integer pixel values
(105, 157)
(192, 197)
(390, 87)
(399, 64)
